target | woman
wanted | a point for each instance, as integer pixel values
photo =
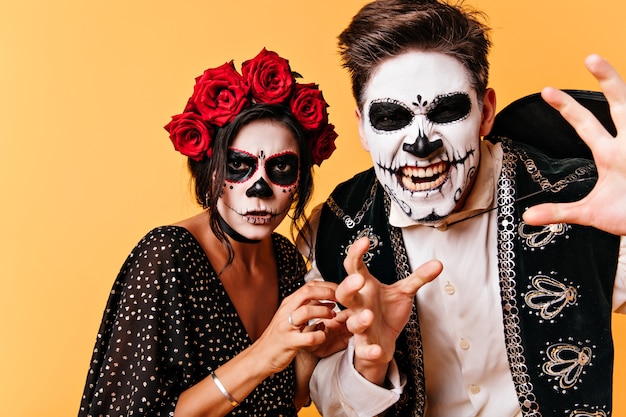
(207, 315)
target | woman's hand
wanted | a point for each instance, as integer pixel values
(289, 331)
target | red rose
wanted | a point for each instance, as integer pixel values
(190, 135)
(323, 144)
(269, 77)
(220, 94)
(309, 107)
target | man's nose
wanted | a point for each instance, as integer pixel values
(422, 147)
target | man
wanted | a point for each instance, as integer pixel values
(517, 323)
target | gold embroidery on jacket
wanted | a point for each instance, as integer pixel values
(566, 363)
(541, 237)
(550, 296)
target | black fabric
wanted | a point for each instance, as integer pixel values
(585, 260)
(168, 323)
(532, 121)
(332, 241)
(352, 196)
(584, 257)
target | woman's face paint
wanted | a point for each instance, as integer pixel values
(262, 175)
(421, 123)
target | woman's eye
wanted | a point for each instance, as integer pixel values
(239, 166)
(283, 169)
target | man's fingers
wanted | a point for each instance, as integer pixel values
(549, 213)
(422, 275)
(359, 323)
(368, 352)
(342, 316)
(579, 117)
(347, 293)
(612, 86)
(354, 260)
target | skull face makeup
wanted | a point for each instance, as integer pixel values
(422, 123)
(261, 179)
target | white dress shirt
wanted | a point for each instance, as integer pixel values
(460, 315)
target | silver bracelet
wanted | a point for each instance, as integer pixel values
(226, 394)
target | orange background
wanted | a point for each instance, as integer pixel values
(86, 168)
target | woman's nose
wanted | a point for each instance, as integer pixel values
(260, 189)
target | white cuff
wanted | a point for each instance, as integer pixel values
(348, 393)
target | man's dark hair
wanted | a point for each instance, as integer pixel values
(386, 28)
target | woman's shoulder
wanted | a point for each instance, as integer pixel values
(166, 235)
(162, 241)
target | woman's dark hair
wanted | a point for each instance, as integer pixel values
(208, 174)
(386, 28)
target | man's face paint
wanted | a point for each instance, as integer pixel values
(262, 175)
(421, 124)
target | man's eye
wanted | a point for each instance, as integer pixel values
(450, 108)
(389, 116)
(283, 169)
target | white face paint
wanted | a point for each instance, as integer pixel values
(261, 179)
(421, 123)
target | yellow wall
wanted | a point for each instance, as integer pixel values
(86, 168)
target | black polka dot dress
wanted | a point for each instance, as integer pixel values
(168, 323)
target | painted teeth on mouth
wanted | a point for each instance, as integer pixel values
(427, 172)
(408, 184)
(410, 174)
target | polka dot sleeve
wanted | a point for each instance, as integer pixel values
(142, 338)
(168, 322)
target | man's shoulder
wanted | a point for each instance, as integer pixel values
(529, 152)
(363, 177)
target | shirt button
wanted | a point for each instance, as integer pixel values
(474, 389)
(449, 289)
(464, 344)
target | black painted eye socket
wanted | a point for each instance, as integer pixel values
(389, 116)
(282, 169)
(450, 108)
(239, 166)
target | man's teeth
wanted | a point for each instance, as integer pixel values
(423, 172)
(423, 179)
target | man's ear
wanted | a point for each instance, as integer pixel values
(489, 112)
(359, 121)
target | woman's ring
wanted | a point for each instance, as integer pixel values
(291, 323)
